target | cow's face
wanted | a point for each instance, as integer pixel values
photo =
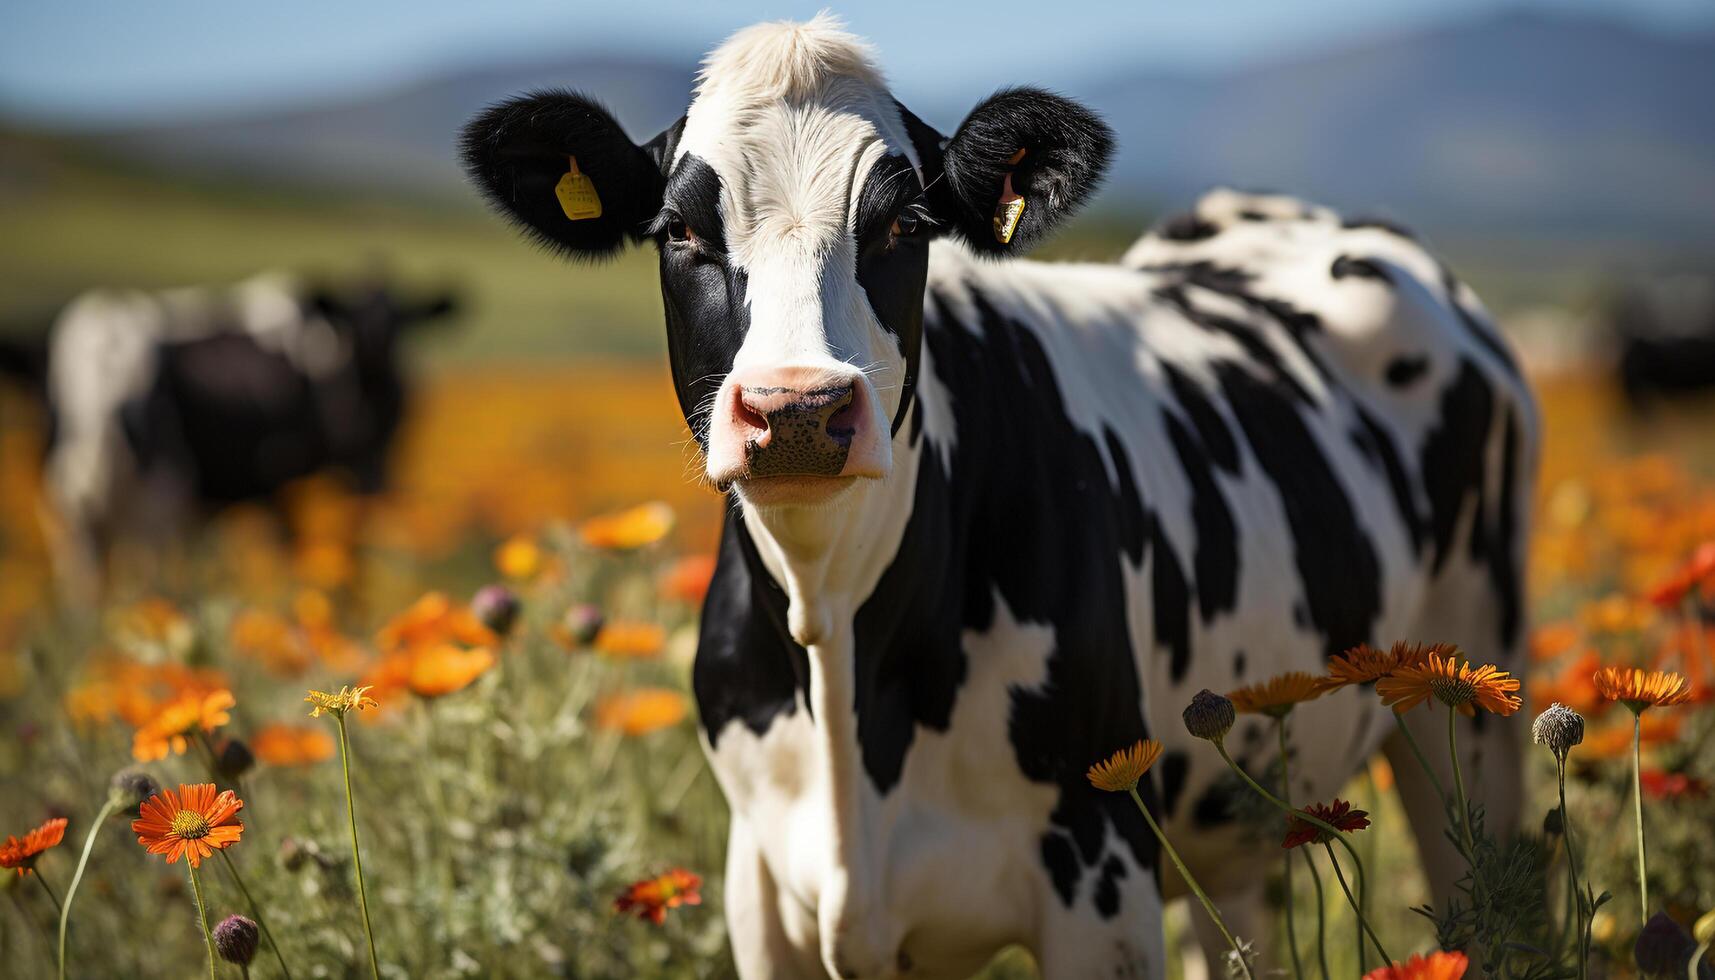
(792, 208)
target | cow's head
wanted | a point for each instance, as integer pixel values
(792, 208)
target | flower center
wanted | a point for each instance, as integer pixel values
(190, 825)
(1453, 691)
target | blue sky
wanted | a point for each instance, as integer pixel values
(83, 61)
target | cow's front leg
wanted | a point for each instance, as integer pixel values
(772, 934)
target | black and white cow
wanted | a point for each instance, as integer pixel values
(993, 519)
(162, 405)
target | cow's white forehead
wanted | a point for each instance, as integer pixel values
(792, 117)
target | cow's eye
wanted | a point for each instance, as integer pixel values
(904, 225)
(678, 231)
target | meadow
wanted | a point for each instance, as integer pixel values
(512, 788)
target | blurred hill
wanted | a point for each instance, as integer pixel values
(1530, 124)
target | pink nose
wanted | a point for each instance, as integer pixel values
(794, 422)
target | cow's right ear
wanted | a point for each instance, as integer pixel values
(559, 166)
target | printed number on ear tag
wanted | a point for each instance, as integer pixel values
(1010, 208)
(577, 195)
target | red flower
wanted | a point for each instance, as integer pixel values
(1686, 577)
(21, 855)
(1338, 814)
(652, 897)
(1661, 785)
(1435, 966)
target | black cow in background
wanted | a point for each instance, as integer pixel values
(1664, 332)
(163, 407)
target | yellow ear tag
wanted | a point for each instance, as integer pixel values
(577, 194)
(1010, 208)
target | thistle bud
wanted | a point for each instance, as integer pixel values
(1552, 823)
(1559, 728)
(582, 622)
(131, 787)
(1209, 716)
(1663, 947)
(232, 758)
(236, 939)
(496, 606)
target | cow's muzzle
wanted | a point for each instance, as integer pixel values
(796, 422)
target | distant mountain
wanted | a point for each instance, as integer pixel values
(1526, 124)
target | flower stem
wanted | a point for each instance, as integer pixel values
(51, 896)
(1321, 915)
(77, 876)
(1638, 812)
(1572, 873)
(202, 918)
(1459, 786)
(1422, 759)
(1354, 903)
(256, 910)
(1191, 882)
(356, 853)
(1286, 791)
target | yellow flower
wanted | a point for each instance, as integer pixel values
(1453, 683)
(1120, 772)
(1640, 689)
(1276, 696)
(348, 699)
(628, 529)
(518, 557)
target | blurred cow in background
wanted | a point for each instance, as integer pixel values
(1664, 331)
(164, 406)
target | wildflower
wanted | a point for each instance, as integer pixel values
(518, 557)
(1559, 728)
(348, 699)
(1209, 716)
(650, 898)
(1122, 771)
(431, 620)
(1639, 689)
(1617, 614)
(579, 627)
(1453, 683)
(640, 711)
(1553, 641)
(1439, 965)
(1614, 741)
(167, 732)
(132, 787)
(628, 639)
(270, 639)
(688, 579)
(1277, 696)
(192, 823)
(151, 629)
(1662, 947)
(496, 607)
(443, 669)
(1686, 578)
(21, 855)
(1662, 785)
(1339, 814)
(629, 529)
(1364, 664)
(292, 745)
(236, 940)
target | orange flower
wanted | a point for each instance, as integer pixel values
(443, 669)
(1615, 741)
(21, 854)
(1121, 772)
(167, 732)
(1640, 689)
(1572, 687)
(292, 745)
(1435, 966)
(432, 620)
(688, 579)
(628, 529)
(650, 898)
(1453, 683)
(269, 638)
(1617, 614)
(631, 639)
(1276, 696)
(1339, 814)
(1363, 664)
(192, 823)
(1701, 566)
(518, 557)
(1551, 641)
(1662, 785)
(640, 711)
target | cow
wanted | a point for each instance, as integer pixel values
(992, 519)
(1664, 334)
(162, 406)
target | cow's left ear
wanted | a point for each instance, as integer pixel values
(1020, 163)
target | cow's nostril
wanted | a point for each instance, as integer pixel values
(751, 417)
(842, 424)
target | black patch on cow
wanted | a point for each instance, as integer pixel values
(693, 194)
(1108, 889)
(1170, 599)
(1405, 369)
(1131, 514)
(1187, 226)
(1379, 446)
(1062, 864)
(1347, 265)
(1504, 545)
(1337, 564)
(894, 271)
(1478, 327)
(1216, 559)
(1212, 429)
(1249, 215)
(1175, 766)
(1451, 462)
(1218, 804)
(1358, 222)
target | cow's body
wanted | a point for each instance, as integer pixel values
(993, 520)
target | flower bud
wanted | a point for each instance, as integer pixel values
(236, 939)
(496, 606)
(232, 758)
(132, 787)
(582, 622)
(1209, 716)
(1552, 824)
(1559, 728)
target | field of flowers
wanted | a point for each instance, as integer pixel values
(500, 651)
